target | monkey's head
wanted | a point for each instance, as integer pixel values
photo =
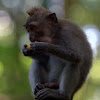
(41, 25)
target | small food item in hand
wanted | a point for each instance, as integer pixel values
(27, 46)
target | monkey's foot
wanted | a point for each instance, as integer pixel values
(52, 85)
(49, 94)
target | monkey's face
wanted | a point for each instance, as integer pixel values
(40, 28)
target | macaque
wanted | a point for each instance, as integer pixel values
(62, 56)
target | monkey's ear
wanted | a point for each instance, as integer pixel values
(30, 13)
(52, 17)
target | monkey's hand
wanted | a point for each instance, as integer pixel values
(26, 51)
(49, 94)
(38, 87)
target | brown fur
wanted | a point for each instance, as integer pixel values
(38, 11)
(64, 49)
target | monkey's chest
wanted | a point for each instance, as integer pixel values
(54, 69)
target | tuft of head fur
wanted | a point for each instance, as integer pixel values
(38, 10)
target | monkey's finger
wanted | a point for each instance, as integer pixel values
(35, 91)
(42, 94)
(41, 97)
(25, 45)
(43, 91)
(40, 86)
(25, 52)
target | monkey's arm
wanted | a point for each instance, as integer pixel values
(56, 50)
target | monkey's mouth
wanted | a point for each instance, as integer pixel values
(41, 39)
(32, 39)
(35, 40)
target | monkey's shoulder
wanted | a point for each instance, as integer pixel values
(71, 29)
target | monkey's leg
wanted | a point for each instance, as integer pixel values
(35, 75)
(68, 84)
(56, 66)
(70, 79)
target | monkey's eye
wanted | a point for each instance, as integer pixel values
(31, 28)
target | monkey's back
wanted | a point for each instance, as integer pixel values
(73, 37)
